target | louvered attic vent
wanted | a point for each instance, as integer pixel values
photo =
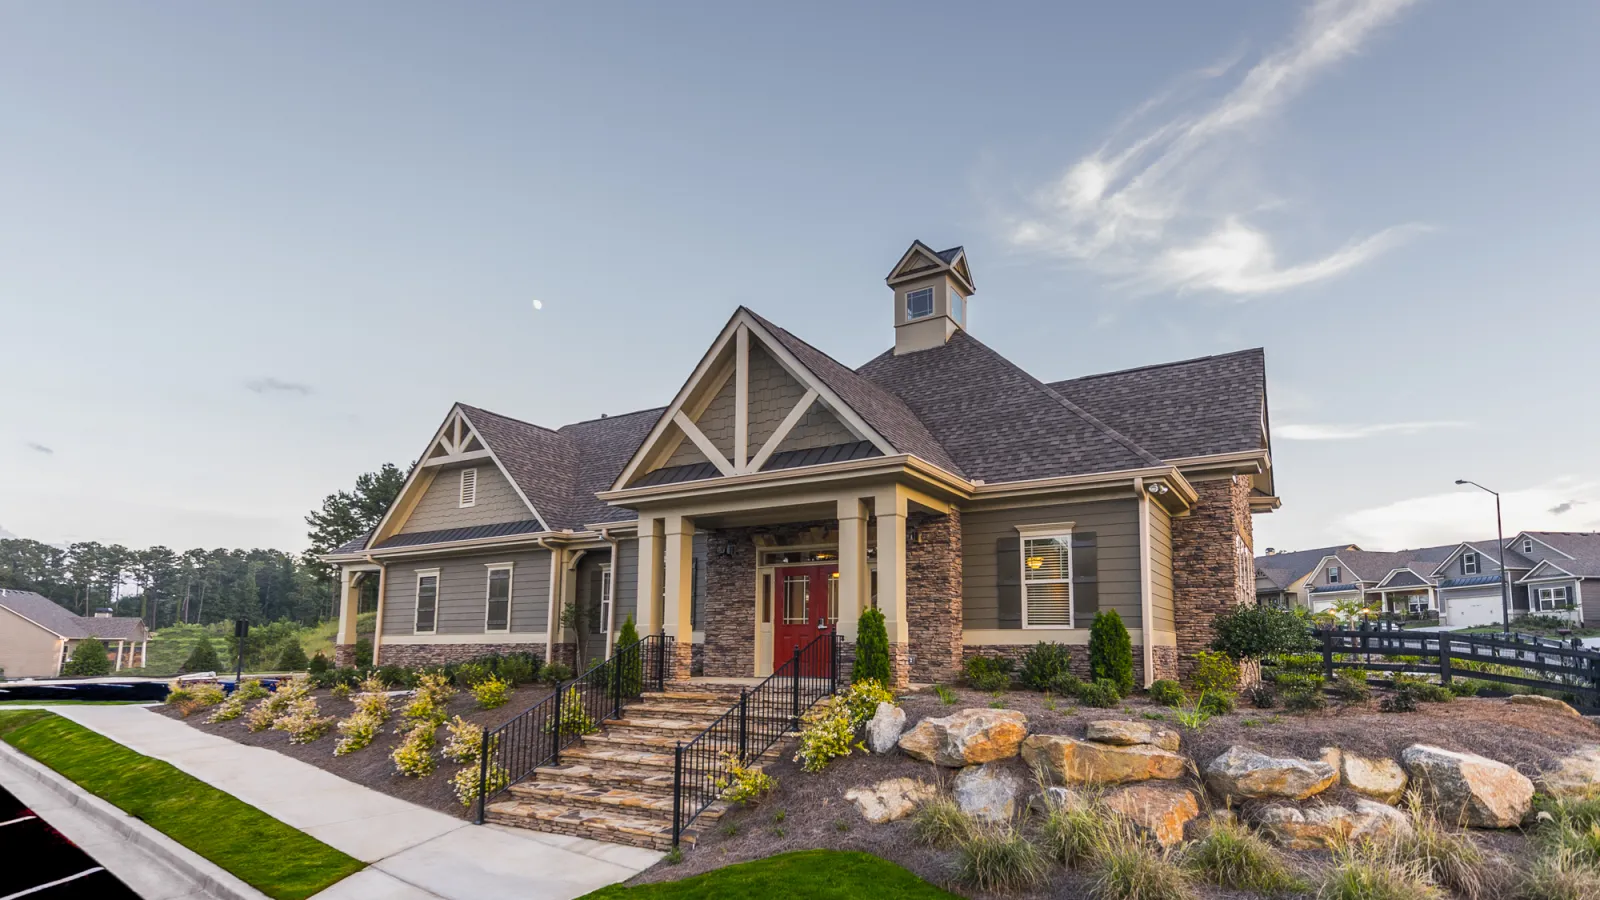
(469, 487)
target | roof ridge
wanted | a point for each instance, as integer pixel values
(1074, 408)
(611, 418)
(508, 418)
(1165, 365)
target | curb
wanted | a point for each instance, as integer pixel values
(206, 876)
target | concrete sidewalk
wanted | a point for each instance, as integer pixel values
(415, 853)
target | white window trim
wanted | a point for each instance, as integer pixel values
(1053, 530)
(1477, 569)
(416, 601)
(1333, 574)
(1527, 545)
(488, 578)
(1539, 597)
(606, 610)
(461, 489)
(933, 305)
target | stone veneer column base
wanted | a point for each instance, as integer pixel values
(415, 656)
(344, 656)
(680, 659)
(899, 666)
(933, 597)
(1166, 663)
(1213, 563)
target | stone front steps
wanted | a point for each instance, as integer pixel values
(616, 785)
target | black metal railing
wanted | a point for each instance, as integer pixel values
(761, 718)
(1537, 663)
(536, 736)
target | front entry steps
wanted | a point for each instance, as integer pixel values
(616, 785)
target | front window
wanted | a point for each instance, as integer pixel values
(796, 591)
(498, 617)
(1333, 574)
(919, 303)
(1469, 563)
(1047, 581)
(427, 602)
(1552, 597)
(1527, 545)
(958, 308)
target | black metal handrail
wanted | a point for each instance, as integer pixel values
(536, 736)
(749, 728)
(1556, 667)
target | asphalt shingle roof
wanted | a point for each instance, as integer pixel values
(1583, 546)
(46, 612)
(1284, 568)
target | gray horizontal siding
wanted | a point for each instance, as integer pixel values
(463, 586)
(440, 507)
(627, 576)
(1115, 524)
(1161, 596)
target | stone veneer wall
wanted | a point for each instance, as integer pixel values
(1212, 563)
(728, 612)
(415, 656)
(1166, 659)
(933, 597)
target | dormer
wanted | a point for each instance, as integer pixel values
(931, 288)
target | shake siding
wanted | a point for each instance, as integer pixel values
(1161, 601)
(716, 423)
(818, 428)
(25, 648)
(773, 393)
(1115, 524)
(463, 593)
(440, 507)
(687, 454)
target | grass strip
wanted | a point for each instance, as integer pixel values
(813, 874)
(280, 861)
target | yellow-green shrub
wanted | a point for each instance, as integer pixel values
(491, 692)
(575, 720)
(230, 709)
(465, 782)
(465, 742)
(414, 757)
(863, 698)
(359, 730)
(826, 733)
(743, 784)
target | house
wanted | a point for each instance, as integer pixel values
(1460, 584)
(780, 493)
(38, 635)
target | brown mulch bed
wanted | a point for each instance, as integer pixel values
(809, 810)
(371, 766)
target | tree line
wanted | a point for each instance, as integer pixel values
(200, 586)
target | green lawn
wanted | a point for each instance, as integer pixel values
(813, 874)
(277, 860)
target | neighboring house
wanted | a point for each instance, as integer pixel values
(781, 492)
(1459, 583)
(38, 635)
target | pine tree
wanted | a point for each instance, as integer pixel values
(293, 657)
(1111, 651)
(319, 664)
(872, 648)
(89, 658)
(631, 664)
(203, 658)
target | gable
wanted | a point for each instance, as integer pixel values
(918, 259)
(1547, 569)
(1452, 566)
(748, 400)
(440, 508)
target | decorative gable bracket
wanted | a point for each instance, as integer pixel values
(456, 442)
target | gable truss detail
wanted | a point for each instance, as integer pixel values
(457, 442)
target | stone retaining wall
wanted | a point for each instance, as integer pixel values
(415, 656)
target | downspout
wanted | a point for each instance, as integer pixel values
(611, 590)
(1147, 618)
(383, 594)
(552, 615)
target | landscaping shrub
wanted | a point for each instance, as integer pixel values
(88, 658)
(465, 741)
(1075, 833)
(946, 696)
(1000, 858)
(988, 673)
(363, 653)
(862, 699)
(1043, 663)
(1066, 684)
(1167, 692)
(1215, 671)
(555, 673)
(1402, 699)
(1370, 871)
(1580, 842)
(1350, 687)
(631, 667)
(341, 691)
(743, 784)
(1304, 696)
(1231, 855)
(940, 823)
(396, 676)
(826, 733)
(465, 781)
(1257, 631)
(1444, 856)
(303, 722)
(1102, 693)
(230, 709)
(1468, 687)
(491, 692)
(519, 668)
(1131, 869)
(190, 700)
(575, 718)
(358, 731)
(414, 757)
(872, 648)
(293, 657)
(318, 664)
(468, 674)
(1263, 695)
(202, 658)
(1193, 717)
(251, 689)
(1424, 690)
(427, 702)
(1300, 663)
(1111, 651)
(1216, 703)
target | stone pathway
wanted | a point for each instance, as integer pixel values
(414, 853)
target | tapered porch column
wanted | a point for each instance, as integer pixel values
(649, 595)
(678, 599)
(890, 508)
(349, 597)
(855, 584)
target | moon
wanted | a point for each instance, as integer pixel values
(537, 305)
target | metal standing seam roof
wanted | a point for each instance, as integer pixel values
(1469, 581)
(470, 533)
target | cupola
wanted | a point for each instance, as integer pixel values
(931, 288)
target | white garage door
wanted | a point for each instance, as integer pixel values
(1467, 609)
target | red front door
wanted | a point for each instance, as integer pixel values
(808, 606)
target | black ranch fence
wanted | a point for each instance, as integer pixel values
(763, 715)
(537, 736)
(1546, 665)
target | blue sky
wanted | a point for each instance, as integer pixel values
(249, 252)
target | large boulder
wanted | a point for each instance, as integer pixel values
(1328, 827)
(1575, 775)
(1124, 734)
(1381, 779)
(1071, 761)
(987, 793)
(885, 727)
(1540, 701)
(889, 800)
(1244, 774)
(967, 738)
(1158, 810)
(1051, 798)
(1465, 789)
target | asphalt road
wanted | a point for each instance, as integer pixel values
(40, 864)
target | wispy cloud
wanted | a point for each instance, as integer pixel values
(1565, 504)
(270, 385)
(37, 447)
(1167, 207)
(1311, 432)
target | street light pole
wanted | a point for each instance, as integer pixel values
(1500, 534)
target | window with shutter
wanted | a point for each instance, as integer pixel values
(469, 487)
(498, 616)
(1047, 580)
